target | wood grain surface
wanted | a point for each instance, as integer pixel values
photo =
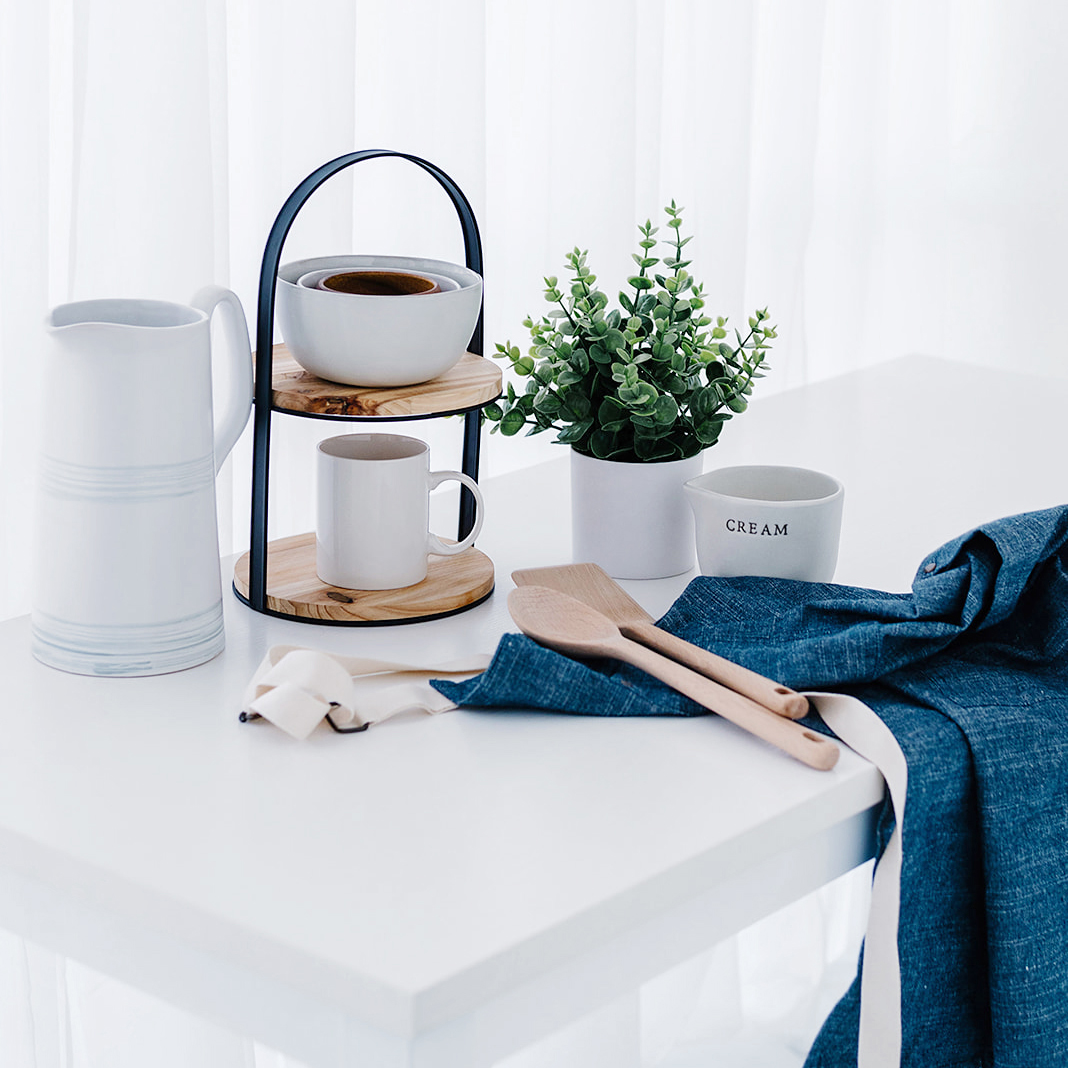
(472, 382)
(293, 588)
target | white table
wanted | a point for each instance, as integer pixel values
(440, 892)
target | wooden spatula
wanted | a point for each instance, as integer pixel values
(572, 627)
(593, 586)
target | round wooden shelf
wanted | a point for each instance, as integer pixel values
(471, 383)
(452, 584)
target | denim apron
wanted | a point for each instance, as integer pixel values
(970, 673)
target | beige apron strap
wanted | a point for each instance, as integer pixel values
(296, 688)
(880, 983)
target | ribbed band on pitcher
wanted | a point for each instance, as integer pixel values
(64, 479)
(126, 650)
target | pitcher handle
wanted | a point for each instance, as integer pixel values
(229, 425)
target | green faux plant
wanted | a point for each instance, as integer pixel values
(650, 381)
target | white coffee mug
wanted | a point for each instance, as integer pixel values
(782, 522)
(372, 531)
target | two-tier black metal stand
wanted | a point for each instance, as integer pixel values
(454, 583)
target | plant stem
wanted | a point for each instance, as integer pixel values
(739, 390)
(566, 311)
(641, 270)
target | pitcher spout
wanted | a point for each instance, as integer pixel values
(121, 312)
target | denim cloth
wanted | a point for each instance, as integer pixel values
(970, 673)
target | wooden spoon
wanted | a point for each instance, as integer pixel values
(593, 586)
(554, 619)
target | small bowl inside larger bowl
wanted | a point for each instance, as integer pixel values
(314, 279)
(374, 340)
(379, 283)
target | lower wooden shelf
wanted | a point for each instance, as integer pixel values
(452, 584)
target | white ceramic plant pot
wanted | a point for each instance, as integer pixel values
(632, 519)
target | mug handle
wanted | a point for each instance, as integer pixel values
(228, 428)
(435, 544)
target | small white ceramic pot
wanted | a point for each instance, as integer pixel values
(782, 522)
(632, 519)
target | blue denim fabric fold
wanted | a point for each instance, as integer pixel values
(970, 672)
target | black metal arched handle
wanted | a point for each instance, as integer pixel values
(272, 254)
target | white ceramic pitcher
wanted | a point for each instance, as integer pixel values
(127, 573)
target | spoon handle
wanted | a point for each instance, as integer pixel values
(810, 748)
(772, 695)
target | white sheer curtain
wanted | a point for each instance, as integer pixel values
(885, 178)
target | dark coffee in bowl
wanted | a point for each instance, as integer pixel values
(379, 283)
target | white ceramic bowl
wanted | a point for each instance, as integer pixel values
(364, 340)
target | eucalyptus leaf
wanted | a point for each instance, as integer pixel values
(575, 432)
(575, 405)
(602, 444)
(704, 402)
(651, 450)
(643, 422)
(708, 432)
(512, 422)
(546, 402)
(666, 410)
